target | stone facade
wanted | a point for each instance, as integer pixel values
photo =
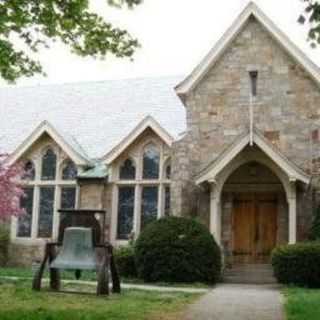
(286, 111)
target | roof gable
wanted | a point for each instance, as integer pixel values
(46, 128)
(293, 172)
(146, 123)
(252, 10)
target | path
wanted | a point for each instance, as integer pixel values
(238, 302)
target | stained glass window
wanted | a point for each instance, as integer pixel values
(128, 170)
(149, 205)
(29, 171)
(49, 164)
(125, 212)
(69, 171)
(68, 198)
(151, 159)
(25, 221)
(46, 208)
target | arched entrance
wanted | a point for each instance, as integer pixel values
(251, 170)
(254, 214)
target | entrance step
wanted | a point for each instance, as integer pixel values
(250, 274)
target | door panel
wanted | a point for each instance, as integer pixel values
(267, 230)
(243, 232)
(254, 228)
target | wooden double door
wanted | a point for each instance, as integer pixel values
(254, 227)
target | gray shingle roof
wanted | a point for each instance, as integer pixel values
(93, 117)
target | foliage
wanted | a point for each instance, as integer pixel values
(10, 190)
(176, 249)
(26, 26)
(315, 230)
(302, 304)
(4, 243)
(298, 264)
(125, 261)
(312, 15)
(17, 302)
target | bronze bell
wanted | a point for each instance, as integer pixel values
(77, 252)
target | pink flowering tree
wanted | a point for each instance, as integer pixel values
(11, 190)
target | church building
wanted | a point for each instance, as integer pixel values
(235, 144)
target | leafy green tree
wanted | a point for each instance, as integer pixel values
(26, 26)
(312, 15)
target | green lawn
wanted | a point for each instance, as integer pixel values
(19, 302)
(26, 273)
(302, 304)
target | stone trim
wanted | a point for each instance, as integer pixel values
(148, 122)
(46, 127)
(293, 172)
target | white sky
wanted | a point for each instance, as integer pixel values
(174, 34)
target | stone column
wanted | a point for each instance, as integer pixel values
(215, 217)
(292, 204)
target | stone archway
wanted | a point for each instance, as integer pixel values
(249, 155)
(254, 214)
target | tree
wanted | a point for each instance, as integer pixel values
(10, 189)
(312, 15)
(26, 26)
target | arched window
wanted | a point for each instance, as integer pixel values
(128, 170)
(69, 171)
(29, 171)
(167, 170)
(151, 159)
(49, 165)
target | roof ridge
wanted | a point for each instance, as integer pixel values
(86, 82)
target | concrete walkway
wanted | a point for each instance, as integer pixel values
(238, 302)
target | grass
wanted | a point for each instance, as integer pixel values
(26, 273)
(18, 301)
(302, 304)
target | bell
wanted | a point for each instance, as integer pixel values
(77, 252)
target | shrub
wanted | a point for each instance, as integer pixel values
(125, 261)
(298, 264)
(4, 243)
(177, 250)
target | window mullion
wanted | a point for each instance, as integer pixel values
(115, 213)
(55, 222)
(160, 201)
(35, 213)
(137, 211)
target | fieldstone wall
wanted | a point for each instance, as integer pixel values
(21, 255)
(286, 111)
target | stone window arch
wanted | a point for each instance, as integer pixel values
(69, 170)
(151, 162)
(29, 170)
(48, 164)
(127, 170)
(167, 169)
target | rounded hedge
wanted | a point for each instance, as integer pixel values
(125, 261)
(176, 249)
(298, 264)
